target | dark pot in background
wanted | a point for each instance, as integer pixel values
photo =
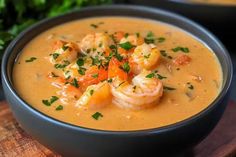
(70, 140)
(220, 19)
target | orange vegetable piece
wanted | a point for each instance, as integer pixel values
(115, 70)
(93, 75)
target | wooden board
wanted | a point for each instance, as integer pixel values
(14, 142)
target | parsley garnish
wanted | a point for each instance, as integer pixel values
(91, 92)
(109, 80)
(49, 102)
(64, 48)
(75, 83)
(61, 66)
(80, 62)
(147, 56)
(97, 115)
(150, 38)
(161, 39)
(94, 26)
(168, 88)
(31, 59)
(154, 74)
(127, 45)
(81, 71)
(59, 107)
(126, 35)
(126, 67)
(54, 75)
(95, 75)
(179, 48)
(55, 55)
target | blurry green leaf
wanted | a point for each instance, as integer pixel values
(2, 4)
(17, 28)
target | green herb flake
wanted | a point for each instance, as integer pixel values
(161, 39)
(109, 80)
(75, 83)
(126, 35)
(51, 101)
(95, 75)
(150, 38)
(31, 59)
(97, 115)
(91, 92)
(81, 71)
(147, 56)
(55, 55)
(179, 48)
(160, 77)
(80, 62)
(138, 35)
(59, 108)
(151, 75)
(163, 53)
(53, 74)
(94, 26)
(168, 88)
(126, 67)
(127, 45)
(64, 47)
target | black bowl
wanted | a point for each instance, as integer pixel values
(220, 19)
(70, 140)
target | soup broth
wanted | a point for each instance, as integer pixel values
(117, 73)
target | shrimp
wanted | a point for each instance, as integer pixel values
(68, 92)
(141, 93)
(95, 96)
(64, 51)
(93, 44)
(182, 60)
(145, 56)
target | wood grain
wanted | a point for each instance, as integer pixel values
(14, 142)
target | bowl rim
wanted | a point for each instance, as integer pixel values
(170, 127)
(202, 4)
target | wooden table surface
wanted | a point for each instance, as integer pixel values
(14, 142)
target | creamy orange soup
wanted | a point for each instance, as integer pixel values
(217, 2)
(117, 73)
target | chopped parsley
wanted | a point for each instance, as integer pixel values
(59, 107)
(138, 35)
(151, 75)
(147, 56)
(150, 38)
(51, 101)
(127, 45)
(155, 74)
(179, 48)
(164, 54)
(95, 75)
(168, 88)
(94, 26)
(81, 71)
(64, 47)
(75, 83)
(61, 66)
(161, 39)
(55, 55)
(52, 74)
(97, 115)
(31, 59)
(91, 92)
(126, 35)
(126, 67)
(80, 62)
(109, 80)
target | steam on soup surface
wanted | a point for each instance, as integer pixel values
(218, 2)
(117, 73)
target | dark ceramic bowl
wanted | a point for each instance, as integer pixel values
(220, 19)
(70, 140)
